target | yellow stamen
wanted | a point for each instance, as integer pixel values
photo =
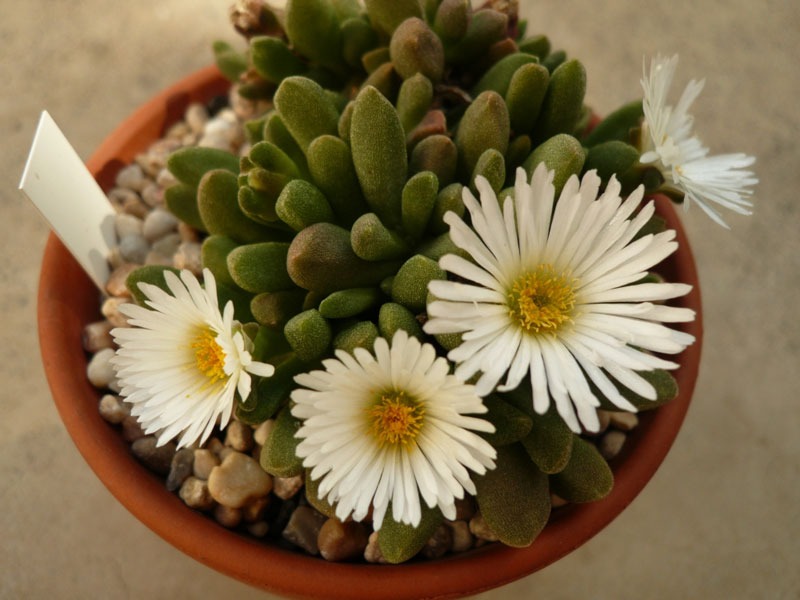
(209, 355)
(542, 301)
(396, 419)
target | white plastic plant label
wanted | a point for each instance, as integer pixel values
(61, 187)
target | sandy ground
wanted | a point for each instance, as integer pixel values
(720, 519)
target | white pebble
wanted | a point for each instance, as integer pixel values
(100, 371)
(133, 248)
(158, 223)
(196, 117)
(97, 336)
(126, 224)
(110, 310)
(189, 256)
(131, 177)
(112, 409)
(165, 179)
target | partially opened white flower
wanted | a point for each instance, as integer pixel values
(390, 427)
(668, 143)
(552, 294)
(181, 363)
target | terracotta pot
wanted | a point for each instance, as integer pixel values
(68, 301)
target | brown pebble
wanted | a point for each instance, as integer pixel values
(131, 430)
(189, 256)
(238, 480)
(557, 501)
(342, 541)
(479, 528)
(97, 336)
(239, 436)
(303, 528)
(372, 553)
(286, 487)
(227, 517)
(110, 310)
(157, 258)
(462, 538)
(611, 444)
(155, 457)
(112, 409)
(116, 280)
(204, 461)
(439, 544)
(153, 194)
(180, 469)
(225, 452)
(256, 509)
(188, 233)
(214, 445)
(604, 416)
(624, 421)
(194, 492)
(259, 529)
(465, 508)
(262, 432)
(128, 201)
(166, 179)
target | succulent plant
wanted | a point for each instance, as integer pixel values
(328, 231)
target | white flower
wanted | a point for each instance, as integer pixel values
(181, 363)
(681, 157)
(552, 293)
(389, 428)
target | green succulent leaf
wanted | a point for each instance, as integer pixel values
(514, 497)
(230, 62)
(309, 335)
(273, 60)
(349, 303)
(260, 267)
(511, 424)
(498, 77)
(563, 101)
(358, 335)
(563, 154)
(666, 389)
(189, 164)
(393, 317)
(586, 478)
(312, 495)
(152, 274)
(399, 542)
(279, 456)
(617, 125)
(410, 285)
(181, 200)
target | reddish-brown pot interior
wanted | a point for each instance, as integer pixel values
(68, 301)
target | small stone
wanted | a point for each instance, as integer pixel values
(439, 544)
(190, 139)
(194, 492)
(557, 501)
(97, 336)
(168, 245)
(116, 280)
(604, 416)
(177, 130)
(225, 452)
(196, 117)
(157, 154)
(131, 429)
(115, 386)
(303, 528)
(624, 421)
(126, 224)
(215, 445)
(156, 258)
(189, 256)
(259, 529)
(131, 177)
(100, 371)
(286, 487)
(112, 409)
(158, 224)
(110, 310)
(114, 258)
(204, 461)
(187, 232)
(465, 508)
(227, 516)
(239, 436)
(153, 194)
(157, 458)
(180, 468)
(165, 179)
(238, 480)
(611, 444)
(255, 510)
(342, 541)
(262, 431)
(134, 248)
(372, 553)
(480, 529)
(256, 452)
(127, 201)
(462, 538)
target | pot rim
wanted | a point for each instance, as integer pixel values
(67, 301)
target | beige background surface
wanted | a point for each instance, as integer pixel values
(721, 518)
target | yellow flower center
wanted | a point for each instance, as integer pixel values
(541, 301)
(209, 355)
(395, 419)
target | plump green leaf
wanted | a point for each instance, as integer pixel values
(348, 303)
(549, 443)
(511, 424)
(309, 334)
(189, 164)
(399, 542)
(152, 274)
(514, 498)
(666, 389)
(278, 456)
(586, 478)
